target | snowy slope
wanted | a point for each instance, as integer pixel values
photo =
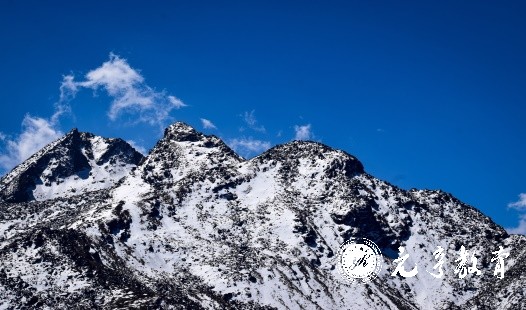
(196, 226)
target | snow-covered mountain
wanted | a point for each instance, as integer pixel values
(77, 163)
(194, 226)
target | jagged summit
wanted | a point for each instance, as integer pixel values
(182, 151)
(73, 131)
(299, 148)
(180, 131)
(313, 151)
(186, 135)
(75, 163)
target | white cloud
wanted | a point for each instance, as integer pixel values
(519, 204)
(520, 229)
(125, 85)
(303, 132)
(208, 124)
(139, 148)
(176, 102)
(68, 88)
(128, 89)
(36, 133)
(250, 119)
(248, 145)
(115, 75)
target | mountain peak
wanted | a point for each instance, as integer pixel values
(181, 132)
(188, 137)
(183, 150)
(77, 162)
(310, 150)
(73, 131)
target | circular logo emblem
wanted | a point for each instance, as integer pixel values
(359, 259)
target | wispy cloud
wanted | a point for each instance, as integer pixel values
(176, 102)
(36, 133)
(248, 146)
(139, 148)
(521, 228)
(250, 120)
(125, 85)
(128, 89)
(303, 132)
(519, 204)
(207, 124)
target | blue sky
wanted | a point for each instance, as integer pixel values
(427, 94)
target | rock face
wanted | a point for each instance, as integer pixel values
(195, 226)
